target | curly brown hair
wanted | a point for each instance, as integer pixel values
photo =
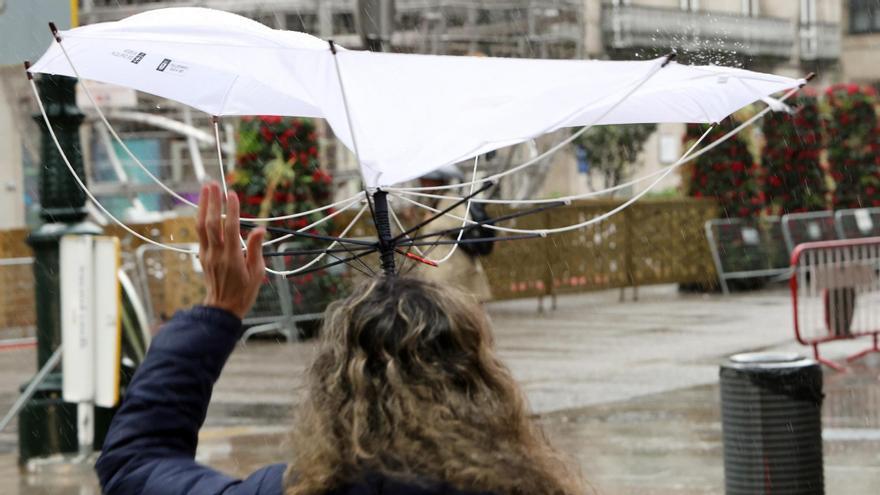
(406, 384)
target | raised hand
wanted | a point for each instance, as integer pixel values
(232, 278)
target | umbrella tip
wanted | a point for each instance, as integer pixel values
(332, 47)
(27, 70)
(669, 58)
(810, 76)
(54, 29)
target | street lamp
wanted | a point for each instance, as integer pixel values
(47, 424)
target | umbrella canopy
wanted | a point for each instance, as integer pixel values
(405, 115)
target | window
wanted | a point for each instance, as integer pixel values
(864, 16)
(344, 23)
(808, 12)
(690, 5)
(304, 23)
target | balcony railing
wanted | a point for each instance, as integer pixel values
(630, 27)
(820, 41)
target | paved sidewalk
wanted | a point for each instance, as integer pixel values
(629, 389)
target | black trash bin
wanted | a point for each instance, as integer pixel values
(772, 425)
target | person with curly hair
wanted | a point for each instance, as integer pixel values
(405, 396)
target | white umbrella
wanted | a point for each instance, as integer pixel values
(404, 115)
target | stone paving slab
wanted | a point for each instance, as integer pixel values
(628, 388)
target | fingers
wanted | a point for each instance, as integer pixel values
(212, 220)
(202, 214)
(231, 229)
(255, 262)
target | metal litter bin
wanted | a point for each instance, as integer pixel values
(772, 425)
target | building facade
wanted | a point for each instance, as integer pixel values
(791, 37)
(860, 59)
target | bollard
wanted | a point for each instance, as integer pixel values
(771, 406)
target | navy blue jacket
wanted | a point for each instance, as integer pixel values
(151, 445)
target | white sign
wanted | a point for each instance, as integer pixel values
(90, 308)
(863, 221)
(77, 330)
(108, 305)
(105, 95)
(750, 236)
(814, 231)
(670, 148)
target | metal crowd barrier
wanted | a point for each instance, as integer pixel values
(835, 289)
(746, 249)
(743, 249)
(812, 226)
(171, 281)
(16, 302)
(857, 222)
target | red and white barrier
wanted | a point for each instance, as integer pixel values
(835, 289)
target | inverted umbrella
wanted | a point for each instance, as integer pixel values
(402, 115)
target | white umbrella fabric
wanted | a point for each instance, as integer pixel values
(404, 115)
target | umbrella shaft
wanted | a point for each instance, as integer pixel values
(383, 229)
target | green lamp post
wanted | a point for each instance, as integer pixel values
(47, 425)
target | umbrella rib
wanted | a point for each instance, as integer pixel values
(475, 241)
(490, 221)
(467, 213)
(332, 245)
(368, 272)
(80, 183)
(303, 252)
(442, 212)
(329, 265)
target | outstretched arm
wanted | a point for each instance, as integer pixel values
(150, 447)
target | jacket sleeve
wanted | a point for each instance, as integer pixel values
(151, 444)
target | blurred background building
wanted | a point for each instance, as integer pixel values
(838, 39)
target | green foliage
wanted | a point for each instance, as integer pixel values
(278, 173)
(727, 173)
(613, 149)
(853, 145)
(794, 180)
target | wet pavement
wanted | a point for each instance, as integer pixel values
(629, 389)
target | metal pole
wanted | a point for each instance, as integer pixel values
(31, 388)
(47, 425)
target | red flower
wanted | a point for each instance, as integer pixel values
(271, 119)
